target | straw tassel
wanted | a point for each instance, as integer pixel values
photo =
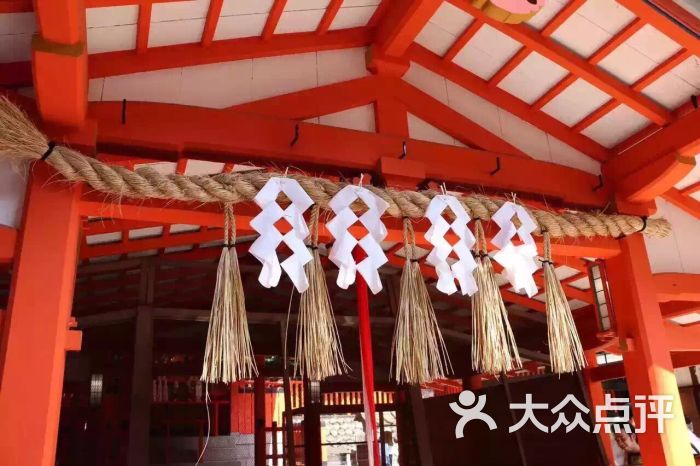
(419, 354)
(319, 353)
(493, 345)
(228, 356)
(565, 351)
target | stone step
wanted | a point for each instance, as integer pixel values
(224, 441)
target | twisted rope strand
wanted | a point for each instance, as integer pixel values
(21, 140)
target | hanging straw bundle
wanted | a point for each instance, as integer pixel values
(319, 353)
(228, 356)
(493, 345)
(565, 351)
(418, 350)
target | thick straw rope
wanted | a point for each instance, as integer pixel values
(21, 140)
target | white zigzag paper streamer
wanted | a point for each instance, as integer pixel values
(264, 248)
(463, 269)
(345, 242)
(518, 261)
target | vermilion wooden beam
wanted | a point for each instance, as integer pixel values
(574, 63)
(659, 161)
(60, 48)
(390, 114)
(687, 203)
(175, 56)
(273, 18)
(401, 26)
(682, 337)
(170, 132)
(143, 27)
(652, 16)
(451, 122)
(328, 17)
(315, 102)
(656, 178)
(673, 309)
(677, 287)
(503, 99)
(212, 20)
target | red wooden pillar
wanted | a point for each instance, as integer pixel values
(647, 362)
(37, 332)
(313, 451)
(365, 329)
(259, 413)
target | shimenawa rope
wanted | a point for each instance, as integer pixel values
(21, 140)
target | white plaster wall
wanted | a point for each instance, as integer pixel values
(678, 252)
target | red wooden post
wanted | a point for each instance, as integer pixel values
(36, 333)
(648, 364)
(365, 329)
(259, 414)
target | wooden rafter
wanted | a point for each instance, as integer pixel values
(329, 15)
(212, 20)
(19, 74)
(574, 63)
(143, 27)
(462, 40)
(273, 18)
(401, 26)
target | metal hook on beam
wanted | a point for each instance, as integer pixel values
(404, 151)
(498, 166)
(123, 111)
(296, 135)
(600, 183)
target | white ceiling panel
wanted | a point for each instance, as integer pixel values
(671, 91)
(564, 154)
(627, 64)
(652, 43)
(424, 131)
(545, 15)
(581, 35)
(298, 5)
(111, 38)
(575, 102)
(427, 81)
(151, 86)
(283, 74)
(341, 65)
(478, 110)
(111, 16)
(217, 85)
(174, 11)
(616, 126)
(689, 71)
(608, 14)
(452, 19)
(435, 39)
(299, 21)
(353, 17)
(245, 7)
(175, 32)
(532, 77)
(232, 27)
(358, 118)
(487, 52)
